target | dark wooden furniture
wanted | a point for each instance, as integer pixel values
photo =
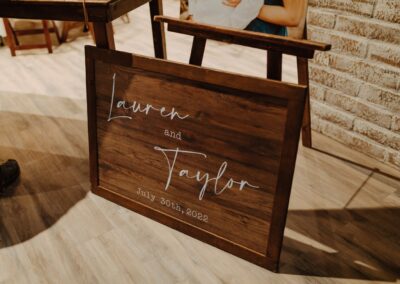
(275, 45)
(13, 34)
(99, 12)
(68, 26)
(208, 153)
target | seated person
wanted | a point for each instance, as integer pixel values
(266, 16)
(276, 15)
(223, 13)
(9, 173)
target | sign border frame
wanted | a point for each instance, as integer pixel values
(295, 109)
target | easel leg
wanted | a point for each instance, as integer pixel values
(160, 49)
(274, 65)
(104, 35)
(197, 53)
(302, 73)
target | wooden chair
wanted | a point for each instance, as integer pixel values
(14, 43)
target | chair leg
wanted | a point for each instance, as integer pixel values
(47, 36)
(65, 29)
(56, 31)
(91, 31)
(10, 36)
(302, 73)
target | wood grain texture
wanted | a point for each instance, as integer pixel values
(302, 71)
(160, 47)
(246, 132)
(297, 47)
(104, 35)
(198, 49)
(99, 12)
(341, 226)
(70, 10)
(274, 66)
(276, 46)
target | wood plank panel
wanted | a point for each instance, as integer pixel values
(202, 157)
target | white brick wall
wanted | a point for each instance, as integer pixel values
(355, 87)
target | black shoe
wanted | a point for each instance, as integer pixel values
(9, 173)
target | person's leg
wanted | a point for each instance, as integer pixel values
(9, 173)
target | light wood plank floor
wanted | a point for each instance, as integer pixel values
(343, 225)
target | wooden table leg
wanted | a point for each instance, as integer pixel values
(197, 53)
(302, 73)
(160, 50)
(104, 35)
(47, 36)
(274, 65)
(53, 23)
(10, 36)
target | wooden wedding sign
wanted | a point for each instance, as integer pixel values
(208, 153)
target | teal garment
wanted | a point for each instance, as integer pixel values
(258, 25)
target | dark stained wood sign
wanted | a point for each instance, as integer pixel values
(208, 153)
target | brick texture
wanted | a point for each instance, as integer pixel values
(371, 29)
(362, 7)
(332, 114)
(341, 42)
(350, 138)
(394, 158)
(317, 92)
(336, 80)
(355, 87)
(388, 10)
(396, 123)
(381, 96)
(363, 69)
(389, 54)
(321, 19)
(378, 134)
(360, 108)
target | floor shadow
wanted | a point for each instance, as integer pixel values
(48, 138)
(349, 243)
(48, 187)
(350, 162)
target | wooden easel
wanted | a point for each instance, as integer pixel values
(248, 223)
(276, 46)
